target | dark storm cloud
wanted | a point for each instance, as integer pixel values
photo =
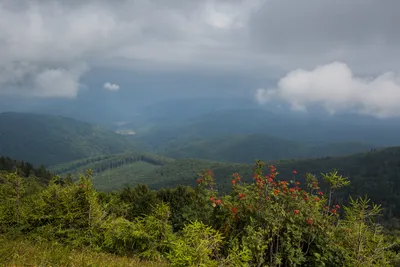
(55, 42)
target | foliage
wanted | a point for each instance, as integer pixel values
(284, 225)
(370, 173)
(25, 169)
(197, 245)
(267, 222)
(145, 236)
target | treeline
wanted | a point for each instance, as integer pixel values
(375, 173)
(109, 162)
(25, 169)
(268, 222)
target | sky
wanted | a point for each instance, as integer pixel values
(340, 55)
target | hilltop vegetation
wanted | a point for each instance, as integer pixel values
(267, 222)
(370, 173)
(115, 171)
(47, 140)
(25, 169)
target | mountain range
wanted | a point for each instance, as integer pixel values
(47, 140)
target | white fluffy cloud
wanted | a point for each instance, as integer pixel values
(336, 88)
(111, 86)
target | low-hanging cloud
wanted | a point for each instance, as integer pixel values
(111, 86)
(27, 79)
(335, 87)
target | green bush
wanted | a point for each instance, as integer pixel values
(268, 222)
(197, 245)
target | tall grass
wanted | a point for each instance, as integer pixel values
(21, 252)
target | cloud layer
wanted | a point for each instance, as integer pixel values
(334, 87)
(52, 43)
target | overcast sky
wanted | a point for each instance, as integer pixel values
(340, 54)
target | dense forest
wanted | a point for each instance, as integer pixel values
(370, 173)
(48, 140)
(268, 221)
(25, 169)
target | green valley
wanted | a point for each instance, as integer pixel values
(48, 140)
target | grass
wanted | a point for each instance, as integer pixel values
(22, 252)
(132, 174)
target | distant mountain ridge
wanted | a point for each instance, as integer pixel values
(295, 127)
(45, 139)
(246, 148)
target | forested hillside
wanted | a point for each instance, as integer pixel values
(246, 148)
(47, 140)
(370, 173)
(113, 172)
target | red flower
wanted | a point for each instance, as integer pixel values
(270, 180)
(242, 195)
(272, 168)
(297, 183)
(333, 211)
(276, 192)
(317, 199)
(294, 172)
(234, 210)
(233, 182)
(209, 172)
(212, 199)
(337, 206)
(309, 221)
(306, 198)
(218, 201)
(199, 181)
(291, 190)
(320, 193)
(296, 212)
